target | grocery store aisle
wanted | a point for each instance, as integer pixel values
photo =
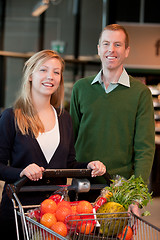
(154, 209)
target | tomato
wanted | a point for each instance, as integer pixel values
(128, 235)
(48, 205)
(56, 197)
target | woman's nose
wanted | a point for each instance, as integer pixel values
(50, 76)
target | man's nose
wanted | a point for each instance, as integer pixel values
(111, 48)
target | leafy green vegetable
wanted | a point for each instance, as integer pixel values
(126, 192)
(146, 213)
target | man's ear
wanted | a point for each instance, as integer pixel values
(98, 49)
(127, 51)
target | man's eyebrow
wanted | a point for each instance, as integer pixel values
(105, 41)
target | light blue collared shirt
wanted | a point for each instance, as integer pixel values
(124, 80)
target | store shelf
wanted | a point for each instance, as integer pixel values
(154, 90)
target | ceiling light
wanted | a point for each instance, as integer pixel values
(40, 7)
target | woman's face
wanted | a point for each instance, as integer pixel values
(46, 79)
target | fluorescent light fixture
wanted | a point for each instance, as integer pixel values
(40, 7)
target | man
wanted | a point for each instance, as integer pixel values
(112, 113)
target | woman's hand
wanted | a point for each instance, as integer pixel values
(98, 168)
(33, 172)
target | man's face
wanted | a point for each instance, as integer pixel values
(111, 49)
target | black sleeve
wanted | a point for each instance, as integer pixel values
(7, 135)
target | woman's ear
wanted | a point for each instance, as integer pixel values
(30, 78)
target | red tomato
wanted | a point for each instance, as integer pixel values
(56, 197)
(128, 235)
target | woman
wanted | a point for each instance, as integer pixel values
(36, 134)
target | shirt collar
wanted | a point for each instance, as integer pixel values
(123, 80)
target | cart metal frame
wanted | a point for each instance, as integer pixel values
(106, 225)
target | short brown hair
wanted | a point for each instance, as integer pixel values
(116, 27)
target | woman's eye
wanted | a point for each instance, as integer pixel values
(42, 70)
(57, 73)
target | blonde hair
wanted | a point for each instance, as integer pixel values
(116, 27)
(26, 115)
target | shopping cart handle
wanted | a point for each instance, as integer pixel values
(15, 188)
(68, 173)
(74, 173)
(48, 173)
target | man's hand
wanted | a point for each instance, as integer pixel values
(133, 208)
(98, 168)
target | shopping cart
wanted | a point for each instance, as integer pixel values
(93, 226)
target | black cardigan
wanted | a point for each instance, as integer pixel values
(19, 151)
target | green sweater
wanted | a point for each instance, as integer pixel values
(116, 128)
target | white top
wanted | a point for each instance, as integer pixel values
(49, 141)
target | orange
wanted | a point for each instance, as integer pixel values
(74, 208)
(48, 219)
(48, 205)
(129, 233)
(49, 238)
(86, 227)
(64, 203)
(84, 207)
(60, 228)
(62, 212)
(73, 220)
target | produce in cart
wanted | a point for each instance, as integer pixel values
(127, 233)
(113, 226)
(64, 216)
(126, 192)
(119, 195)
